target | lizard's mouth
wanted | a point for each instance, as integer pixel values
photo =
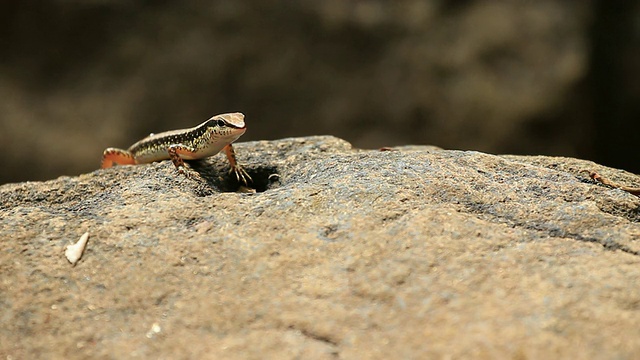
(236, 131)
(234, 126)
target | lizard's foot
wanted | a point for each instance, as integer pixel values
(189, 173)
(241, 174)
(174, 154)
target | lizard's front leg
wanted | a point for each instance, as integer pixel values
(241, 174)
(174, 154)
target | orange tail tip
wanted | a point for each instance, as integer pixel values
(113, 156)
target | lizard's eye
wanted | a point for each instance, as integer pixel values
(221, 123)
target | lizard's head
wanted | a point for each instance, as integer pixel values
(229, 126)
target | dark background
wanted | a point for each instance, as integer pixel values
(524, 77)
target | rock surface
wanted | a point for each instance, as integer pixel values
(345, 253)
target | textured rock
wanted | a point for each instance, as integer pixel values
(346, 253)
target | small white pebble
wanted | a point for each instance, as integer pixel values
(155, 329)
(74, 252)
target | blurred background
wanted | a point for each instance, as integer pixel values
(521, 77)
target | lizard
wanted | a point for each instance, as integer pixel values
(206, 139)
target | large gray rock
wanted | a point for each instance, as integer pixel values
(415, 253)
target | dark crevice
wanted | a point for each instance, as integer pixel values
(549, 230)
(559, 233)
(314, 336)
(219, 177)
(619, 210)
(328, 232)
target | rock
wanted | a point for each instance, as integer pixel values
(345, 253)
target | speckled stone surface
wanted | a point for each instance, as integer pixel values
(342, 253)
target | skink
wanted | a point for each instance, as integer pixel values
(204, 140)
